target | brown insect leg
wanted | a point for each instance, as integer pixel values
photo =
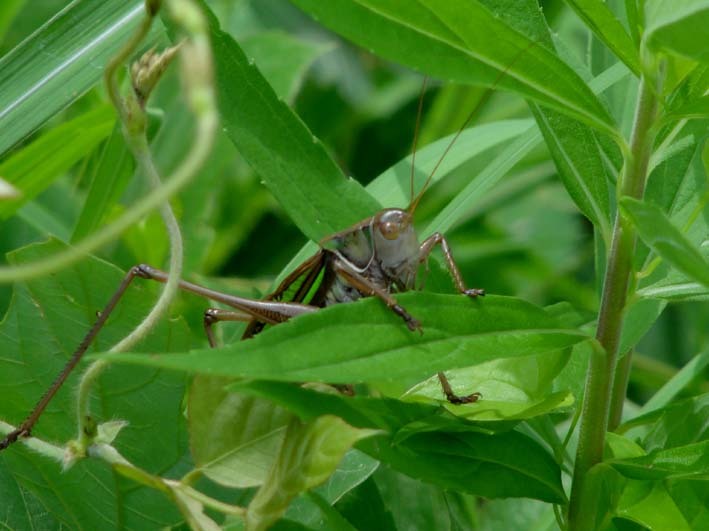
(215, 315)
(25, 428)
(363, 285)
(454, 398)
(425, 250)
(266, 311)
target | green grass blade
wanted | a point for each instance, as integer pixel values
(59, 62)
(33, 168)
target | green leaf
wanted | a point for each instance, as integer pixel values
(366, 509)
(363, 412)
(36, 85)
(683, 462)
(579, 161)
(502, 465)
(694, 369)
(392, 187)
(291, 161)
(680, 27)
(665, 239)
(45, 323)
(512, 389)
(309, 454)
(355, 469)
(33, 168)
(109, 179)
(234, 438)
(478, 47)
(282, 59)
(601, 20)
(413, 446)
(650, 505)
(401, 502)
(680, 423)
(697, 108)
(365, 341)
(640, 316)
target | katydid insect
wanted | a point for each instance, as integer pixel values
(379, 257)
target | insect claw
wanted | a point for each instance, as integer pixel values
(413, 324)
(468, 399)
(474, 292)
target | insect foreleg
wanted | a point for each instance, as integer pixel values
(366, 287)
(438, 239)
(424, 252)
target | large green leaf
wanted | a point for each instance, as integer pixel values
(426, 443)
(308, 455)
(462, 41)
(45, 323)
(234, 438)
(292, 162)
(365, 341)
(36, 84)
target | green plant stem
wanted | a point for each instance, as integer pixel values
(197, 80)
(602, 367)
(141, 151)
(44, 448)
(134, 129)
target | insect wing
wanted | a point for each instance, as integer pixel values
(296, 287)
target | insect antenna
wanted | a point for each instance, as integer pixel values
(419, 112)
(485, 97)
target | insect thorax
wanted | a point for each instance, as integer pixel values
(388, 264)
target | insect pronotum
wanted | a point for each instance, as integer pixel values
(379, 257)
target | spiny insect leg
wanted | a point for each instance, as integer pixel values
(438, 239)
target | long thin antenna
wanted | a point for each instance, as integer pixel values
(483, 100)
(416, 137)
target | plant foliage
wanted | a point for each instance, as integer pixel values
(588, 230)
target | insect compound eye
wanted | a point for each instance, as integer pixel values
(389, 229)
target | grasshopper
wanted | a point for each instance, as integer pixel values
(377, 257)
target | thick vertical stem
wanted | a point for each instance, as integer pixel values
(602, 367)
